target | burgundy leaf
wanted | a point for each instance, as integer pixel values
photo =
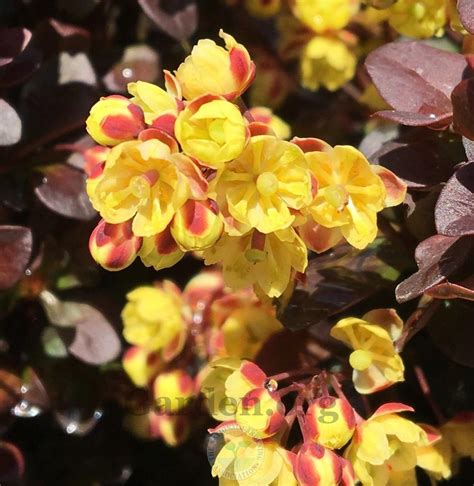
(18, 59)
(416, 80)
(437, 258)
(454, 213)
(181, 24)
(468, 148)
(15, 252)
(466, 13)
(463, 108)
(55, 36)
(448, 290)
(63, 192)
(96, 341)
(11, 127)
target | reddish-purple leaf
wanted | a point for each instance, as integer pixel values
(416, 80)
(448, 290)
(10, 127)
(454, 213)
(468, 148)
(18, 59)
(63, 192)
(15, 252)
(437, 258)
(181, 24)
(466, 14)
(463, 108)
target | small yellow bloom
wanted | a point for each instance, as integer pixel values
(173, 390)
(211, 69)
(140, 181)
(330, 422)
(141, 365)
(265, 115)
(212, 130)
(160, 107)
(350, 194)
(263, 8)
(436, 456)
(418, 18)
(384, 446)
(114, 119)
(327, 15)
(459, 431)
(326, 61)
(152, 319)
(376, 363)
(266, 261)
(260, 187)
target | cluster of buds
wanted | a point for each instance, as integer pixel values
(188, 169)
(255, 443)
(174, 333)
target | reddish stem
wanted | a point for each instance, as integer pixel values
(426, 390)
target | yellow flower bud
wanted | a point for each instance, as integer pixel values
(330, 422)
(141, 365)
(212, 130)
(265, 115)
(114, 119)
(211, 69)
(173, 390)
(316, 465)
(263, 8)
(160, 251)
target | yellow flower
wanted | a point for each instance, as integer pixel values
(384, 446)
(330, 422)
(350, 194)
(152, 319)
(247, 328)
(265, 261)
(436, 456)
(114, 246)
(374, 359)
(263, 8)
(140, 181)
(265, 115)
(315, 464)
(327, 62)
(114, 119)
(459, 431)
(211, 69)
(418, 18)
(322, 16)
(260, 187)
(173, 390)
(141, 365)
(159, 107)
(212, 130)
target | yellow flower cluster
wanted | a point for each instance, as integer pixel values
(187, 170)
(170, 329)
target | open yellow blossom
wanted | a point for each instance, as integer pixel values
(436, 456)
(459, 431)
(260, 187)
(350, 194)
(140, 181)
(376, 363)
(265, 261)
(212, 130)
(152, 319)
(384, 446)
(326, 61)
(211, 69)
(160, 107)
(418, 18)
(325, 15)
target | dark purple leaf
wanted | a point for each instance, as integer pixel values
(454, 213)
(448, 290)
(12, 463)
(437, 258)
(463, 108)
(63, 191)
(334, 283)
(181, 24)
(77, 9)
(96, 341)
(451, 330)
(469, 148)
(15, 252)
(10, 127)
(416, 80)
(18, 59)
(466, 14)
(376, 139)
